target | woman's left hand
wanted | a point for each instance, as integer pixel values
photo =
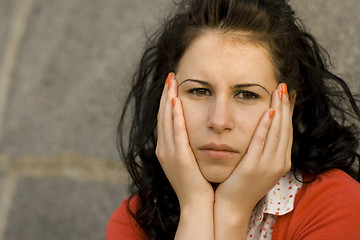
(268, 158)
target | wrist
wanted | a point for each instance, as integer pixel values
(234, 205)
(195, 201)
(231, 221)
(196, 221)
(192, 206)
(231, 215)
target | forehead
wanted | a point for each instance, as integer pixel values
(216, 56)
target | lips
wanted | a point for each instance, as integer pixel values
(218, 151)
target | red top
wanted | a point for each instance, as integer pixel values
(327, 208)
(122, 225)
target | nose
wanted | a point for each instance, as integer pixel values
(220, 116)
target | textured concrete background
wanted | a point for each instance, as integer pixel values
(64, 73)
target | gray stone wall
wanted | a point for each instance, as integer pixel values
(64, 73)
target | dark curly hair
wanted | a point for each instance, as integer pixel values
(326, 114)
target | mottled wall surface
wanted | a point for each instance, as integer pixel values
(65, 66)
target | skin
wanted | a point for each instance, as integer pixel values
(233, 97)
(233, 104)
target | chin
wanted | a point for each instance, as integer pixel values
(216, 174)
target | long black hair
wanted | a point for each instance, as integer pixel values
(326, 114)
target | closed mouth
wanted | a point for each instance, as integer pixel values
(219, 151)
(218, 147)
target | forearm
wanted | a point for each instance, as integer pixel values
(230, 223)
(196, 222)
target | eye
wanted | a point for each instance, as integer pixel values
(246, 95)
(200, 92)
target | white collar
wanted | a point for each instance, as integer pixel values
(278, 201)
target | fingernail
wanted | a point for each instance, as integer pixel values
(284, 88)
(173, 101)
(280, 93)
(170, 76)
(271, 113)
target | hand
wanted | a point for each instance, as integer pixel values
(174, 152)
(268, 158)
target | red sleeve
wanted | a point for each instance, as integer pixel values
(328, 208)
(122, 225)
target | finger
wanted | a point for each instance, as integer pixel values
(168, 125)
(163, 95)
(162, 103)
(172, 89)
(273, 136)
(257, 143)
(181, 139)
(285, 124)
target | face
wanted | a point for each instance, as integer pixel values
(225, 88)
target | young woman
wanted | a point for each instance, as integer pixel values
(249, 137)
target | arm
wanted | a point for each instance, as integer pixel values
(268, 158)
(196, 222)
(195, 194)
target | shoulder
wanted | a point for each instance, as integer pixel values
(122, 224)
(334, 178)
(331, 186)
(328, 207)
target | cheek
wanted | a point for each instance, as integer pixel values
(247, 120)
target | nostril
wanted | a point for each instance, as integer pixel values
(220, 125)
(220, 117)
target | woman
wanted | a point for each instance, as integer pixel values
(250, 137)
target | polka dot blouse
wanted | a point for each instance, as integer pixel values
(279, 201)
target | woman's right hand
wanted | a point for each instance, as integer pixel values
(195, 194)
(174, 152)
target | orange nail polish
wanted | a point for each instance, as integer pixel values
(168, 78)
(284, 88)
(271, 113)
(280, 93)
(173, 101)
(169, 83)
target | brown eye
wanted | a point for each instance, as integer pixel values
(246, 95)
(200, 92)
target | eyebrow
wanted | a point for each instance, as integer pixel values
(245, 85)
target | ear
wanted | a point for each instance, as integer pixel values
(292, 97)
